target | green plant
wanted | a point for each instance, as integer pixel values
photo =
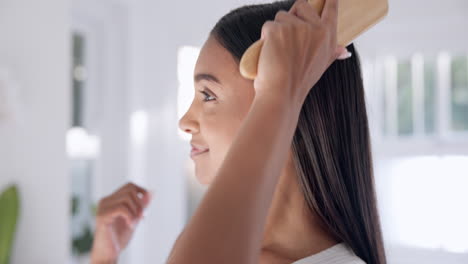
(82, 243)
(9, 212)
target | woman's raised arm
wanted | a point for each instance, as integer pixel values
(227, 227)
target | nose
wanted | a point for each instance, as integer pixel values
(189, 124)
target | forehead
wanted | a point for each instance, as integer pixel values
(216, 60)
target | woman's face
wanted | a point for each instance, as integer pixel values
(222, 100)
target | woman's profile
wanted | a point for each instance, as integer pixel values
(320, 206)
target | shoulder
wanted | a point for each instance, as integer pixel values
(338, 254)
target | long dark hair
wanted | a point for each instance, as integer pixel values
(331, 145)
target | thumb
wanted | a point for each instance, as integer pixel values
(147, 198)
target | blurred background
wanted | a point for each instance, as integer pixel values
(91, 93)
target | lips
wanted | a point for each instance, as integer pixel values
(197, 150)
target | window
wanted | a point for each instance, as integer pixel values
(420, 106)
(421, 95)
(79, 77)
(459, 93)
(82, 150)
(429, 95)
(405, 98)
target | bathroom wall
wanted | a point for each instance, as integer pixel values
(34, 37)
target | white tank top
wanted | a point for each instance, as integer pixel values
(338, 254)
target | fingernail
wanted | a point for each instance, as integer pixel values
(345, 56)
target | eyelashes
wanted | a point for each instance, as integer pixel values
(207, 96)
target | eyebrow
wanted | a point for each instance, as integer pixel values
(207, 77)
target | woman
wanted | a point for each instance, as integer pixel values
(287, 156)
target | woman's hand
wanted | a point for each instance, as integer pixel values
(299, 46)
(117, 217)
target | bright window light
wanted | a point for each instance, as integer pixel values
(81, 145)
(139, 127)
(426, 202)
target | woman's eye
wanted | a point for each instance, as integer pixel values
(207, 96)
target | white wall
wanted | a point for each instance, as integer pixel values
(418, 26)
(34, 47)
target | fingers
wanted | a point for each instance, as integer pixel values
(121, 210)
(330, 12)
(146, 199)
(128, 202)
(305, 11)
(311, 13)
(109, 210)
(139, 195)
(287, 17)
(137, 204)
(132, 187)
(268, 27)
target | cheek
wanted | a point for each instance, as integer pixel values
(219, 127)
(220, 134)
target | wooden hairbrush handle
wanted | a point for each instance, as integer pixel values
(354, 18)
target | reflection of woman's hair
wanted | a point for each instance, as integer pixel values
(331, 144)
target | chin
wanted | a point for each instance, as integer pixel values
(204, 182)
(203, 177)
